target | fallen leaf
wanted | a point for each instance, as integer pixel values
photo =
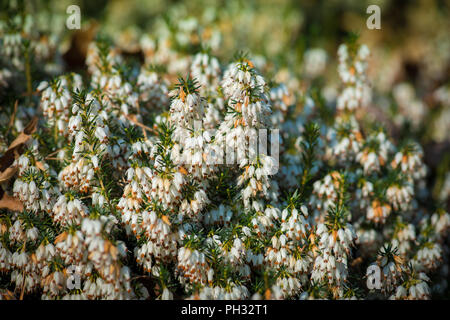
(40, 165)
(166, 220)
(25, 135)
(8, 202)
(182, 170)
(246, 101)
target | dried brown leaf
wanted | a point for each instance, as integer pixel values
(15, 150)
(25, 135)
(40, 165)
(182, 94)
